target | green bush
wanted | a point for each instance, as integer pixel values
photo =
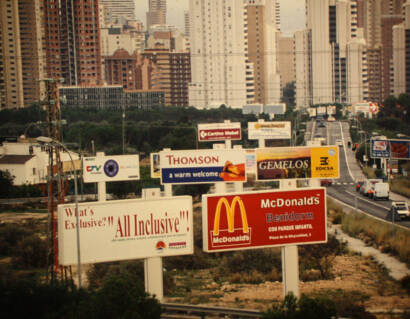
(10, 234)
(30, 252)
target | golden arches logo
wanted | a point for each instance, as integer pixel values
(230, 214)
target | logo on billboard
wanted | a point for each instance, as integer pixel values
(160, 246)
(111, 168)
(231, 236)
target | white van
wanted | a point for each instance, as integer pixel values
(381, 191)
(367, 187)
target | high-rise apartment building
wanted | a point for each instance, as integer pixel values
(333, 70)
(72, 41)
(286, 58)
(221, 71)
(303, 85)
(263, 51)
(157, 12)
(21, 53)
(173, 74)
(119, 11)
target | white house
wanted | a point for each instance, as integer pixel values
(28, 161)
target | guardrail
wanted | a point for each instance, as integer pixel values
(173, 311)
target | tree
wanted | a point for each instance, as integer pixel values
(6, 184)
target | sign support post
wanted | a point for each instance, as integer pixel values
(102, 189)
(290, 257)
(153, 265)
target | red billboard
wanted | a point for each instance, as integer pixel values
(263, 219)
(219, 132)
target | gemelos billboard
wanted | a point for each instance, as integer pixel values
(297, 162)
(263, 219)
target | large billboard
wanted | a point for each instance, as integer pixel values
(219, 132)
(126, 229)
(393, 149)
(269, 130)
(202, 166)
(111, 168)
(297, 162)
(263, 219)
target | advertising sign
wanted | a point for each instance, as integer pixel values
(126, 229)
(111, 168)
(263, 219)
(202, 166)
(219, 132)
(393, 149)
(269, 130)
(277, 109)
(321, 110)
(297, 162)
(155, 165)
(331, 109)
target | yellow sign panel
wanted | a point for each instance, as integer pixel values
(325, 162)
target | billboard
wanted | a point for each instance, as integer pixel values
(331, 109)
(155, 165)
(219, 132)
(297, 162)
(393, 149)
(126, 229)
(312, 111)
(111, 168)
(263, 219)
(321, 110)
(252, 109)
(277, 109)
(269, 130)
(202, 166)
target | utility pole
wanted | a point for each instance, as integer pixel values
(55, 179)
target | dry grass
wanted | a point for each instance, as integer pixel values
(388, 239)
(401, 185)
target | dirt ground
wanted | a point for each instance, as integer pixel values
(353, 274)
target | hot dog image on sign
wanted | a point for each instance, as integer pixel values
(263, 219)
(202, 166)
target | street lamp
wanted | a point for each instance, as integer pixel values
(52, 142)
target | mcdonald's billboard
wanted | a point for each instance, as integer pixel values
(297, 162)
(263, 219)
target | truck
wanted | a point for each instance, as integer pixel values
(381, 191)
(399, 211)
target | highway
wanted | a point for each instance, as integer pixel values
(344, 189)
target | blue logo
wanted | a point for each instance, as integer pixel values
(111, 168)
(332, 152)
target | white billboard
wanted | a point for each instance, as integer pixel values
(277, 109)
(202, 166)
(111, 168)
(269, 130)
(312, 111)
(126, 229)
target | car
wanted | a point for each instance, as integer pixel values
(326, 182)
(399, 211)
(339, 142)
(359, 185)
(321, 124)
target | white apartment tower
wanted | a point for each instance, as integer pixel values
(301, 40)
(329, 42)
(262, 50)
(221, 73)
(317, 21)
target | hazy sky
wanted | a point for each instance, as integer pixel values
(292, 13)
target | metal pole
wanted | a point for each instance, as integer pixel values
(123, 131)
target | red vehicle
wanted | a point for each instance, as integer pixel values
(326, 182)
(358, 185)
